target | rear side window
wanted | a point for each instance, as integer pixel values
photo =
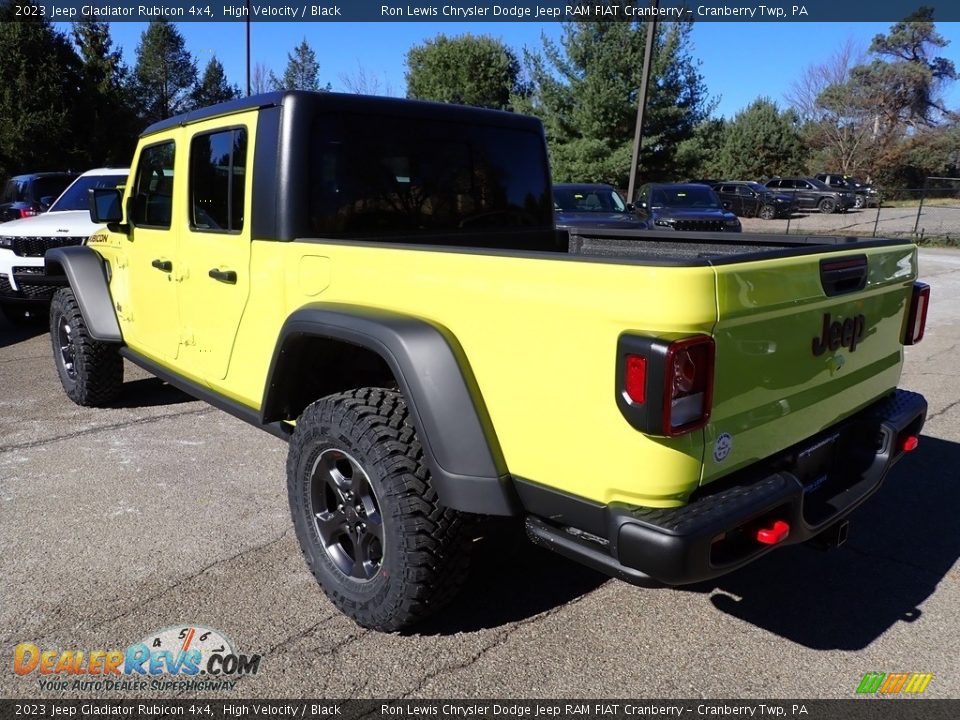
(379, 176)
(218, 163)
(153, 186)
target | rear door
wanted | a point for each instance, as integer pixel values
(799, 347)
(215, 245)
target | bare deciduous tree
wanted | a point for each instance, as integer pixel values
(836, 120)
(362, 82)
(260, 80)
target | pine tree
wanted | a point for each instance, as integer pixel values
(585, 90)
(468, 70)
(165, 72)
(213, 87)
(40, 90)
(303, 70)
(107, 119)
(762, 142)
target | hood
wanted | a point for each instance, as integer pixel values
(70, 223)
(599, 219)
(668, 213)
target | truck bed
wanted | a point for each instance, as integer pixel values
(670, 247)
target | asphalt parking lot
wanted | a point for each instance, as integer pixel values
(163, 511)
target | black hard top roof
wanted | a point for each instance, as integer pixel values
(329, 101)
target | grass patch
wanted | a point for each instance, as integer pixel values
(915, 202)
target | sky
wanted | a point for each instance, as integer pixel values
(739, 60)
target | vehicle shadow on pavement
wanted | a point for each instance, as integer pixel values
(902, 543)
(11, 334)
(511, 580)
(150, 392)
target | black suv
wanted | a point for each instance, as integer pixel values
(751, 199)
(592, 205)
(684, 206)
(31, 194)
(865, 195)
(810, 194)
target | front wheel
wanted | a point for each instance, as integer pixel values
(90, 371)
(859, 202)
(768, 212)
(827, 205)
(367, 517)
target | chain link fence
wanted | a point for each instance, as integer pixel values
(927, 215)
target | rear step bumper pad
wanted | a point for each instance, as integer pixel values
(676, 546)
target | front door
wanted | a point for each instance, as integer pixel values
(152, 321)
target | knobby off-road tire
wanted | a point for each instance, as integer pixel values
(368, 519)
(91, 372)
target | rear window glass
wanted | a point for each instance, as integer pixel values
(50, 186)
(374, 175)
(14, 191)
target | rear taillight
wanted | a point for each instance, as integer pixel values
(27, 212)
(917, 317)
(688, 385)
(663, 387)
(635, 383)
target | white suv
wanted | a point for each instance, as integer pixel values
(25, 290)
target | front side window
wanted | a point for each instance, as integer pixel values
(218, 163)
(153, 187)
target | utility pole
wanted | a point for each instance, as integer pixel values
(642, 100)
(248, 48)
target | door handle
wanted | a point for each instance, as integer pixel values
(226, 276)
(164, 265)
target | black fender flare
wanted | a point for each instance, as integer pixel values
(87, 275)
(429, 365)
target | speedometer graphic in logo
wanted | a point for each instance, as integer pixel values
(194, 641)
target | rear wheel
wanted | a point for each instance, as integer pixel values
(368, 520)
(90, 371)
(827, 205)
(768, 212)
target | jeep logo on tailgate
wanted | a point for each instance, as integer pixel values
(848, 333)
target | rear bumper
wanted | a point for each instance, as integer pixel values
(811, 487)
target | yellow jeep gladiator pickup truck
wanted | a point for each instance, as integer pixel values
(380, 283)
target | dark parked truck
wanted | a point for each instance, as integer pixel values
(686, 207)
(379, 282)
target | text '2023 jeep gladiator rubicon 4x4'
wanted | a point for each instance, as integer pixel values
(380, 283)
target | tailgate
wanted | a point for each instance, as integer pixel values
(800, 347)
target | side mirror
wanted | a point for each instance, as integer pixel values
(105, 206)
(630, 207)
(726, 204)
(46, 201)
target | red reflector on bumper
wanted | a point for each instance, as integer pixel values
(775, 534)
(910, 443)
